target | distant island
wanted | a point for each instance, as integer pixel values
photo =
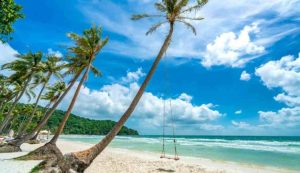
(75, 124)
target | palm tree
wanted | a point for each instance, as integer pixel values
(173, 11)
(52, 95)
(52, 66)
(15, 144)
(25, 67)
(85, 51)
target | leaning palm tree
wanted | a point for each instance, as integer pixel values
(15, 144)
(52, 67)
(52, 95)
(172, 11)
(84, 53)
(25, 67)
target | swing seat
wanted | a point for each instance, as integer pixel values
(170, 158)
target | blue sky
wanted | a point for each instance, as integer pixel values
(240, 75)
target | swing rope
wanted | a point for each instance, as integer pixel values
(173, 127)
(163, 155)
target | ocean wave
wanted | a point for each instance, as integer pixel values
(256, 145)
(283, 147)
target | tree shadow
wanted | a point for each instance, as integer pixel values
(165, 170)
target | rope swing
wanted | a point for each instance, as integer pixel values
(163, 152)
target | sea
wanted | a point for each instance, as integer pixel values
(272, 151)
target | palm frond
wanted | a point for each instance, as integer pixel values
(160, 7)
(188, 25)
(142, 16)
(189, 18)
(198, 6)
(96, 72)
(180, 5)
(154, 27)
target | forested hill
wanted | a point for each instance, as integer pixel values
(80, 125)
(74, 125)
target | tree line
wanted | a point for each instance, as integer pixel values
(75, 124)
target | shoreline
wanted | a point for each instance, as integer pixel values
(118, 160)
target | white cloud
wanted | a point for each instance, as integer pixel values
(211, 127)
(232, 50)
(241, 125)
(185, 97)
(288, 100)
(55, 53)
(185, 44)
(245, 76)
(285, 74)
(7, 54)
(111, 101)
(238, 112)
(133, 76)
(285, 117)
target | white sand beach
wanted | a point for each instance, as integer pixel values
(115, 160)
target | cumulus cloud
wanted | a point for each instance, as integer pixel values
(238, 112)
(133, 76)
(241, 125)
(245, 76)
(185, 97)
(111, 101)
(7, 54)
(288, 100)
(286, 117)
(284, 74)
(232, 50)
(55, 53)
(185, 44)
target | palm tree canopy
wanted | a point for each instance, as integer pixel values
(174, 11)
(52, 66)
(24, 66)
(54, 91)
(85, 49)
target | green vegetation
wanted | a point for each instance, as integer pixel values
(74, 125)
(9, 13)
(80, 125)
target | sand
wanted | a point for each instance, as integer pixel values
(114, 160)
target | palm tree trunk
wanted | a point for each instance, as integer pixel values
(43, 122)
(9, 114)
(65, 119)
(23, 127)
(37, 133)
(86, 157)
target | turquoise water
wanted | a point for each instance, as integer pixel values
(280, 152)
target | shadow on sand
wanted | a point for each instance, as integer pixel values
(165, 170)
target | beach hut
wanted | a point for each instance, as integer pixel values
(44, 134)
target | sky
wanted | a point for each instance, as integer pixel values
(240, 75)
